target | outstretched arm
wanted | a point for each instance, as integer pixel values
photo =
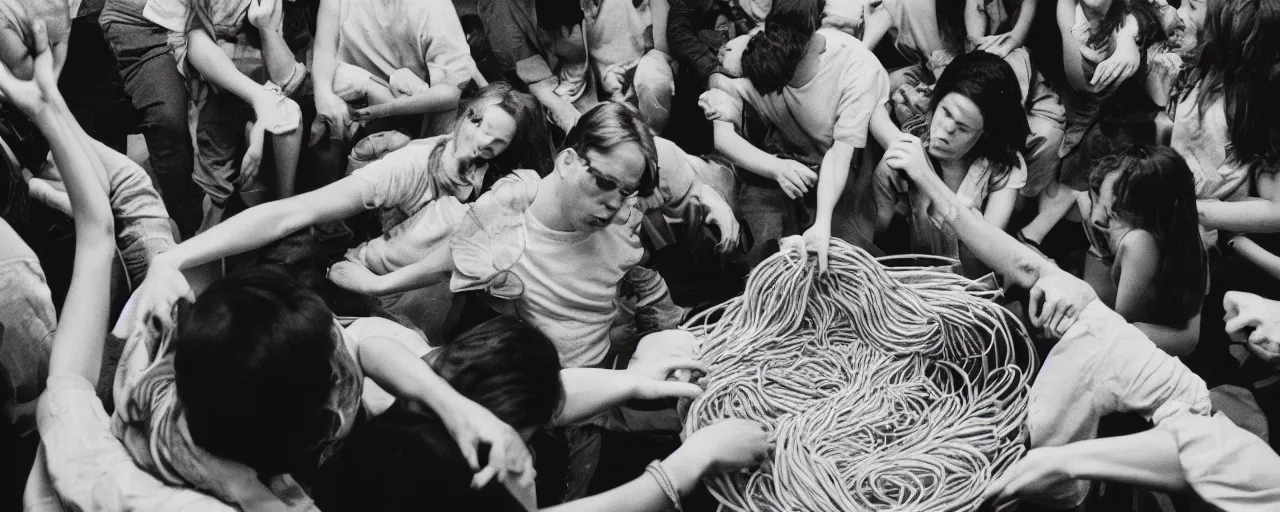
(77, 344)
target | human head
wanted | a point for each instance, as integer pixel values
(508, 367)
(976, 112)
(773, 54)
(262, 374)
(504, 127)
(17, 36)
(1152, 189)
(1238, 65)
(403, 459)
(607, 157)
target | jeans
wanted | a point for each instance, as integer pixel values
(160, 96)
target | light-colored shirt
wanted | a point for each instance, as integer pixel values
(1203, 139)
(836, 105)
(1225, 465)
(1104, 365)
(422, 36)
(563, 283)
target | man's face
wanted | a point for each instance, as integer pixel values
(17, 40)
(599, 184)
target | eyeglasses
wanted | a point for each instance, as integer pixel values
(608, 183)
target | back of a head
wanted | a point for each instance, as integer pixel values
(990, 83)
(256, 361)
(404, 460)
(1155, 192)
(611, 124)
(508, 367)
(772, 55)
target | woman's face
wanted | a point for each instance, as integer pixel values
(1097, 6)
(484, 136)
(956, 127)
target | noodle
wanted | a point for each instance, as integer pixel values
(884, 389)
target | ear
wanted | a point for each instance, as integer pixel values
(565, 160)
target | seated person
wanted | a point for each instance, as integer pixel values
(541, 44)
(974, 134)
(930, 33)
(420, 63)
(242, 72)
(1144, 207)
(513, 370)
(792, 73)
(1100, 365)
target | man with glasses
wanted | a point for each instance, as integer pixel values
(556, 250)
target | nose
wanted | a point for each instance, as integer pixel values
(948, 126)
(613, 201)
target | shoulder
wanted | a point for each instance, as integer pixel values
(1138, 248)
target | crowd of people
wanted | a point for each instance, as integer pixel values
(376, 254)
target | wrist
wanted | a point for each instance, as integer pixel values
(170, 259)
(686, 466)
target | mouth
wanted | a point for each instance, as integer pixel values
(599, 221)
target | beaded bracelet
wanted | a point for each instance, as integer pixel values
(655, 469)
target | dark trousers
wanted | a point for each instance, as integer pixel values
(159, 94)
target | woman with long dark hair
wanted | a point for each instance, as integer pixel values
(973, 137)
(1144, 200)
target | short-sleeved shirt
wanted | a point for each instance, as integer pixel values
(422, 36)
(848, 75)
(563, 283)
(406, 180)
(1103, 365)
(915, 25)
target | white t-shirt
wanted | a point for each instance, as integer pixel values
(422, 36)
(836, 105)
(563, 283)
(571, 286)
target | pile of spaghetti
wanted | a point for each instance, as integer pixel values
(884, 388)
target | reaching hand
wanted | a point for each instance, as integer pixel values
(363, 115)
(1057, 300)
(1040, 472)
(41, 92)
(1255, 322)
(156, 297)
(719, 214)
(1115, 70)
(817, 239)
(655, 381)
(907, 154)
(473, 426)
(732, 444)
(795, 178)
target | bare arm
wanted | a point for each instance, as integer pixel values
(1072, 61)
(433, 268)
(877, 26)
(438, 98)
(1250, 250)
(397, 370)
(266, 223)
(742, 153)
(1000, 208)
(1022, 28)
(218, 69)
(1253, 215)
(324, 63)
